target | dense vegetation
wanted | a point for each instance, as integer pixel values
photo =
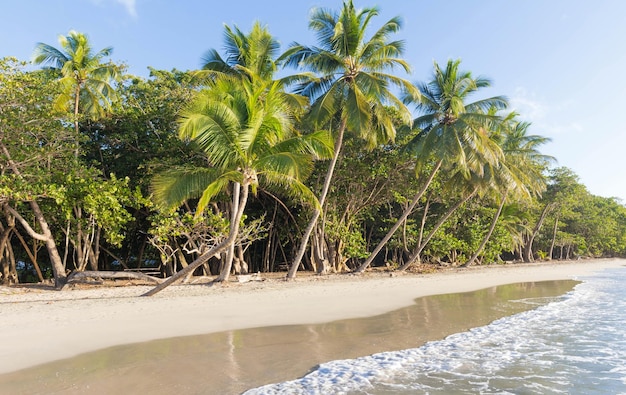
(338, 166)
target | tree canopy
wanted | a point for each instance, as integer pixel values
(324, 157)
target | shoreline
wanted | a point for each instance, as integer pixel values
(44, 326)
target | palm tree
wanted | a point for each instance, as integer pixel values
(86, 82)
(352, 86)
(246, 130)
(451, 131)
(245, 54)
(520, 174)
(250, 57)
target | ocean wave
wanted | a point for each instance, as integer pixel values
(574, 344)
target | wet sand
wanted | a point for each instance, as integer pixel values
(38, 327)
(232, 361)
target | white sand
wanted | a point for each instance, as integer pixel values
(41, 326)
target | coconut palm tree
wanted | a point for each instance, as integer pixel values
(86, 82)
(453, 133)
(351, 86)
(520, 174)
(244, 54)
(250, 57)
(245, 127)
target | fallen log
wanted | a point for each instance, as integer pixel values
(88, 277)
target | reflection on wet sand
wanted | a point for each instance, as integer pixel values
(233, 361)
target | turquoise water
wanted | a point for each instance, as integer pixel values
(575, 344)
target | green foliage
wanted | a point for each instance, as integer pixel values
(351, 240)
(141, 138)
(173, 225)
(353, 82)
(106, 202)
(247, 133)
(85, 82)
(192, 135)
(451, 129)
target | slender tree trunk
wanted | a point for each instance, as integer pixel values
(230, 254)
(401, 220)
(12, 264)
(556, 227)
(423, 223)
(489, 232)
(528, 246)
(416, 256)
(76, 101)
(242, 261)
(217, 249)
(60, 279)
(5, 256)
(32, 255)
(309, 229)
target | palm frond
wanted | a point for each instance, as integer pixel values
(173, 187)
(290, 186)
(219, 184)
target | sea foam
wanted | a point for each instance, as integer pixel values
(575, 344)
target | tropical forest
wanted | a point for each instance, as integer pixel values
(320, 157)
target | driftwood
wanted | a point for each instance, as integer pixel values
(96, 277)
(244, 278)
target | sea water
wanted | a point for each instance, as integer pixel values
(576, 344)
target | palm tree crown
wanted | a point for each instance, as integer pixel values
(245, 54)
(246, 131)
(451, 129)
(86, 82)
(351, 71)
(524, 165)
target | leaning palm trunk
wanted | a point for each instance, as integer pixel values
(217, 249)
(400, 221)
(234, 222)
(416, 256)
(316, 214)
(489, 232)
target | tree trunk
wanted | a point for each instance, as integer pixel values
(234, 228)
(217, 249)
(319, 254)
(5, 232)
(423, 223)
(58, 269)
(32, 255)
(309, 229)
(528, 246)
(83, 277)
(242, 262)
(556, 227)
(489, 232)
(400, 221)
(76, 101)
(416, 256)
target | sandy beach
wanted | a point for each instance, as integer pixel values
(40, 326)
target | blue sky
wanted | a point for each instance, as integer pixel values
(561, 63)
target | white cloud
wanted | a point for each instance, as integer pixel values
(527, 105)
(130, 6)
(546, 119)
